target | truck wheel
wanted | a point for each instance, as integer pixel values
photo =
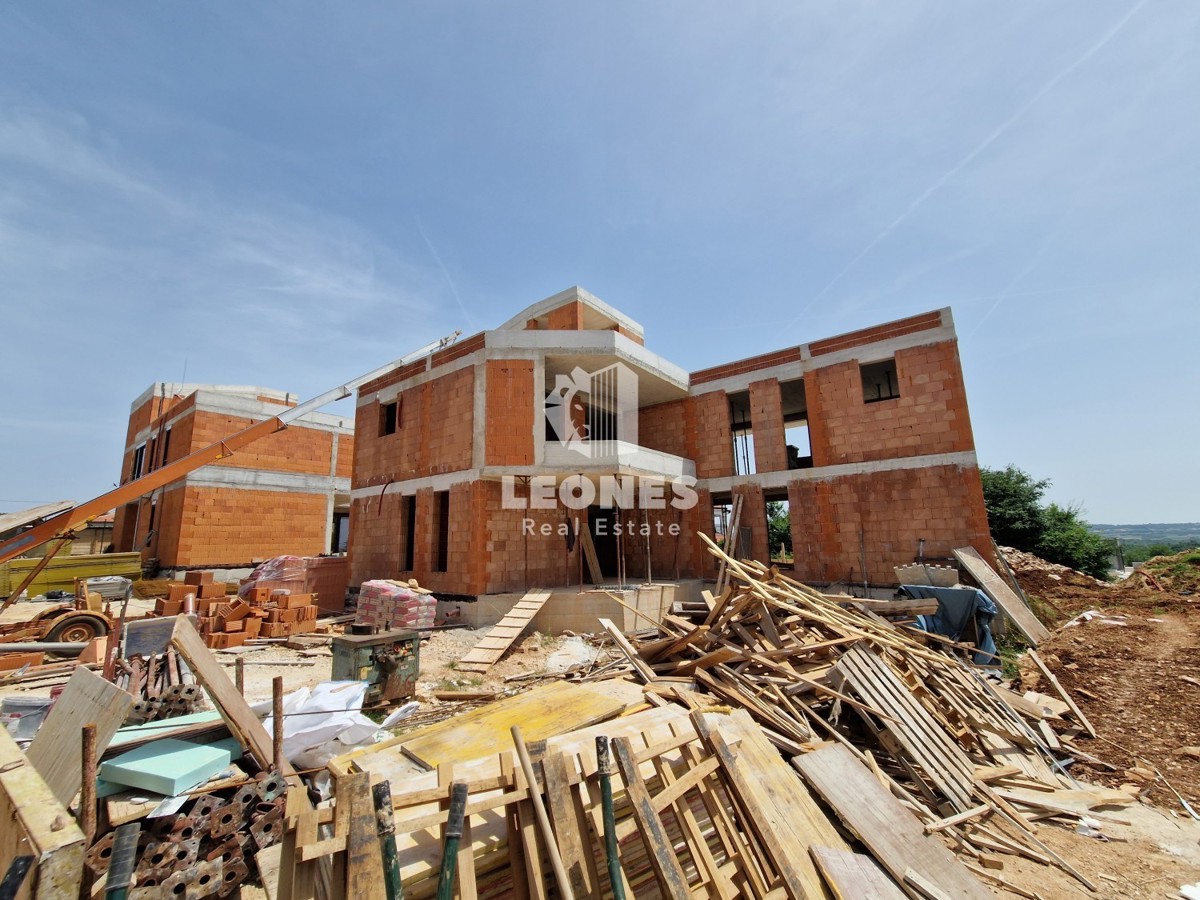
(77, 630)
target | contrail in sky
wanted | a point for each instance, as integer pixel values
(441, 265)
(979, 148)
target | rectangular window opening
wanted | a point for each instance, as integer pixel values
(389, 417)
(139, 461)
(799, 446)
(879, 381)
(166, 444)
(743, 433)
(441, 556)
(408, 515)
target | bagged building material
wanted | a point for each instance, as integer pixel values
(394, 604)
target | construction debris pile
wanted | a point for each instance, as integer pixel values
(909, 774)
(779, 743)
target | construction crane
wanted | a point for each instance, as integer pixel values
(61, 621)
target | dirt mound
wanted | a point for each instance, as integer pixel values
(1179, 573)
(1058, 593)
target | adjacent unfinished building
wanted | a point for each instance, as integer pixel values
(288, 493)
(865, 435)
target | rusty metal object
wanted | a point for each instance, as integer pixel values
(234, 874)
(268, 829)
(270, 785)
(170, 855)
(226, 820)
(245, 797)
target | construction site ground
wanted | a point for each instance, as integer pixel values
(1134, 671)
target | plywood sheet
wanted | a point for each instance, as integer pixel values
(543, 712)
(895, 837)
(854, 876)
(56, 750)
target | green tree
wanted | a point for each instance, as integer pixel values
(1067, 540)
(1055, 533)
(779, 528)
(1014, 510)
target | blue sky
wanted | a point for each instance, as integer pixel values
(292, 194)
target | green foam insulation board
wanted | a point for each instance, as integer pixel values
(166, 767)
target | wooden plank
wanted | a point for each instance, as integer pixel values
(779, 809)
(36, 823)
(547, 710)
(1062, 692)
(484, 655)
(1002, 595)
(854, 876)
(894, 835)
(923, 738)
(643, 671)
(54, 752)
(671, 878)
(732, 538)
(364, 859)
(589, 554)
(574, 842)
(243, 723)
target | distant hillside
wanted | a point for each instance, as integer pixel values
(1181, 533)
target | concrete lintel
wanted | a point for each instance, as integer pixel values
(184, 389)
(245, 408)
(781, 479)
(880, 350)
(265, 480)
(587, 343)
(792, 371)
(392, 391)
(408, 486)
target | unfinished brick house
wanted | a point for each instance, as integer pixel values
(288, 493)
(866, 436)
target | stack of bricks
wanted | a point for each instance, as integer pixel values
(279, 612)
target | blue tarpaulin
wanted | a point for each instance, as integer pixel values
(956, 607)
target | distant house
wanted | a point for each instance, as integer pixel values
(287, 493)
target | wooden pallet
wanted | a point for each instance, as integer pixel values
(484, 655)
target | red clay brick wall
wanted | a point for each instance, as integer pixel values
(295, 449)
(378, 541)
(766, 420)
(516, 561)
(943, 504)
(568, 317)
(709, 439)
(221, 526)
(663, 427)
(345, 455)
(510, 410)
(434, 434)
(929, 416)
